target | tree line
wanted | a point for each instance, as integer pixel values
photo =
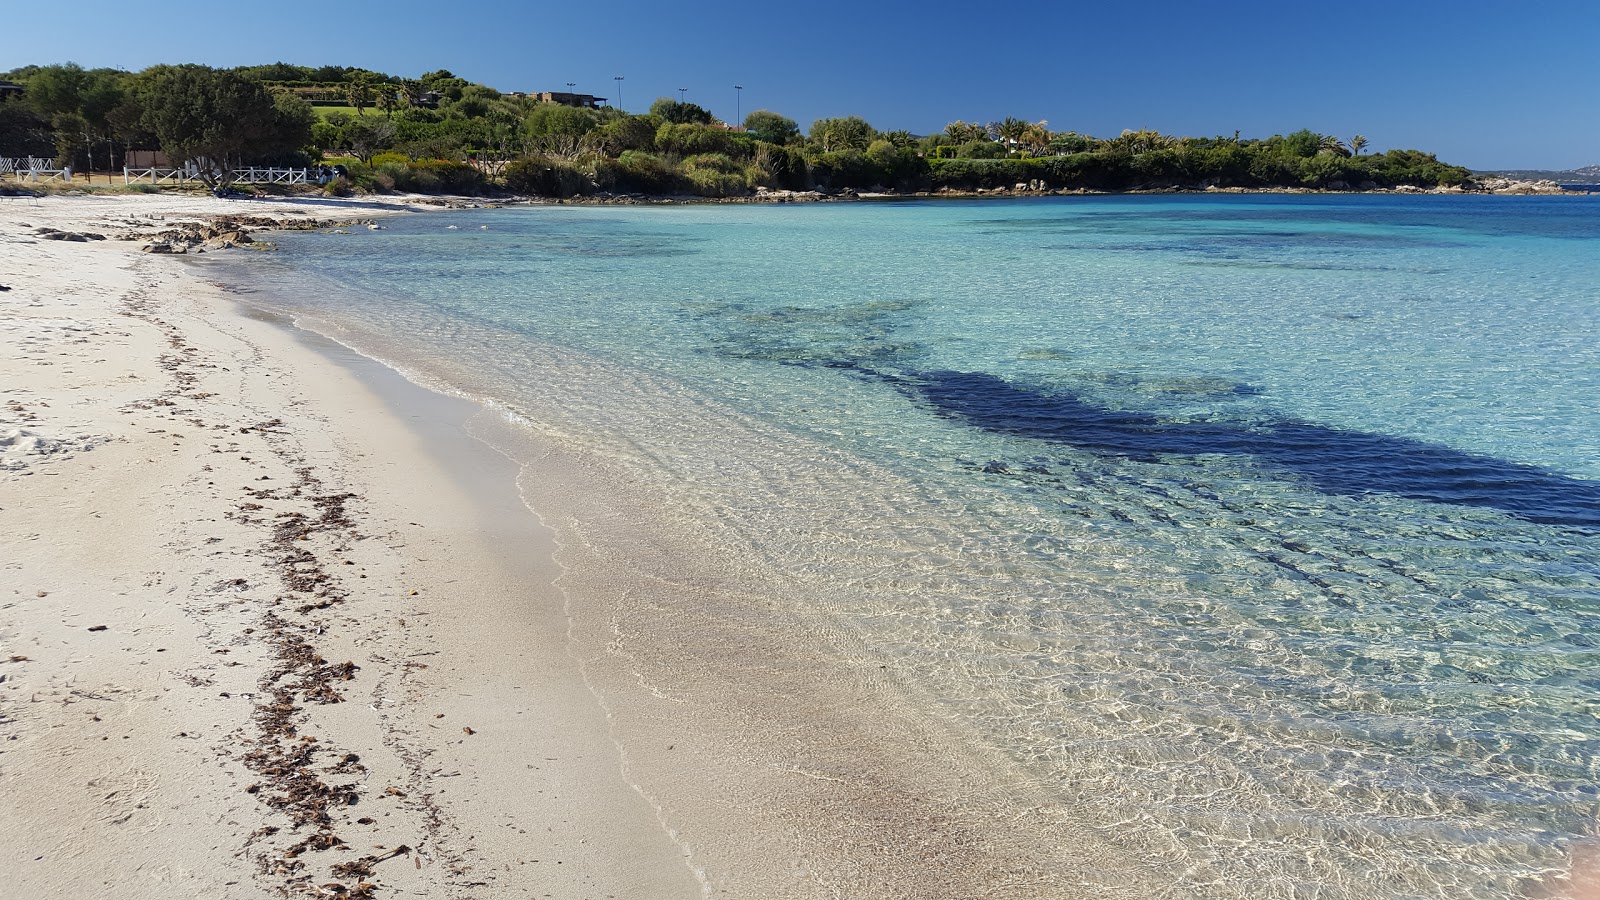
(442, 133)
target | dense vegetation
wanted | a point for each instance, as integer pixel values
(440, 133)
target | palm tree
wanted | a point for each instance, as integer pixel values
(1144, 140)
(358, 91)
(1333, 145)
(1010, 130)
(412, 89)
(1357, 144)
(1036, 136)
(965, 132)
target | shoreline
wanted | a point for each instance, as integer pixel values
(553, 677)
(379, 673)
(402, 202)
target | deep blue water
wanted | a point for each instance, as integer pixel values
(1264, 530)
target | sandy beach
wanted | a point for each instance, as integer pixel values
(274, 623)
(251, 631)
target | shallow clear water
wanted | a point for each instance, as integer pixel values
(1264, 532)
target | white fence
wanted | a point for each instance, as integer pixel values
(33, 168)
(271, 176)
(250, 175)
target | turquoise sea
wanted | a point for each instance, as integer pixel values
(1263, 531)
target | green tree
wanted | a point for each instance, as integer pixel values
(367, 137)
(1036, 137)
(1304, 143)
(847, 133)
(202, 114)
(766, 125)
(557, 130)
(897, 139)
(1357, 144)
(1071, 142)
(965, 132)
(412, 90)
(78, 104)
(1009, 130)
(358, 92)
(678, 112)
(629, 133)
(388, 100)
(1144, 140)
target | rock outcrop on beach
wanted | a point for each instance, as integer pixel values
(227, 232)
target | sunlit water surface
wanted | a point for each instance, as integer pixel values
(1265, 531)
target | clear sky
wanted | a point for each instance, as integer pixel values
(1486, 85)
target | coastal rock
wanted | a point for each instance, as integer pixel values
(226, 239)
(1498, 185)
(160, 247)
(51, 234)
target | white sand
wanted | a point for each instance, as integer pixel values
(162, 457)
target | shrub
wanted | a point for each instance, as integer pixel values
(981, 150)
(629, 133)
(712, 183)
(849, 169)
(688, 140)
(714, 175)
(901, 166)
(645, 173)
(545, 177)
(436, 176)
(970, 174)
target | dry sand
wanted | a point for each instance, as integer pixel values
(257, 632)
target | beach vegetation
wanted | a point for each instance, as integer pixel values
(847, 133)
(772, 128)
(679, 112)
(439, 132)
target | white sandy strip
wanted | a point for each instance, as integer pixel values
(201, 522)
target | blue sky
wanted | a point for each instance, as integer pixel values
(1487, 85)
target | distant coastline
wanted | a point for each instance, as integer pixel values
(351, 131)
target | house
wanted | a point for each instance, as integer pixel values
(584, 101)
(9, 89)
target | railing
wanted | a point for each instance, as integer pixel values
(249, 175)
(33, 168)
(158, 175)
(270, 176)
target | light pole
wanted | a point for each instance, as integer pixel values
(618, 80)
(738, 105)
(571, 85)
(682, 93)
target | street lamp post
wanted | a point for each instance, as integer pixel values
(738, 104)
(618, 80)
(682, 94)
(571, 85)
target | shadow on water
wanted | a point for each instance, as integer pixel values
(1332, 460)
